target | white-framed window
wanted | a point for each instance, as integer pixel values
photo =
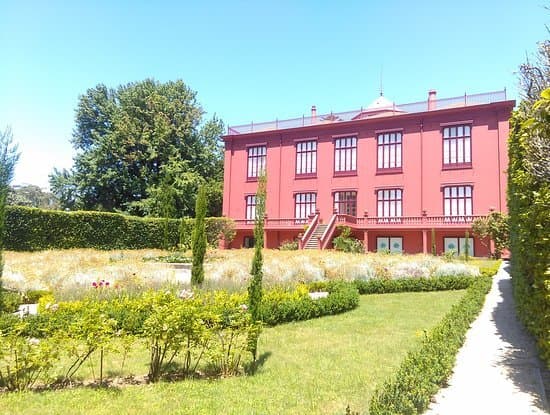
(457, 201)
(345, 154)
(458, 245)
(306, 157)
(393, 244)
(256, 161)
(457, 146)
(305, 205)
(250, 207)
(390, 204)
(345, 203)
(389, 150)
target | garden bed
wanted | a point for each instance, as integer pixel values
(318, 366)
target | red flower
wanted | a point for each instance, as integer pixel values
(94, 284)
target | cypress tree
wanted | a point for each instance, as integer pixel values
(434, 249)
(255, 287)
(198, 238)
(467, 246)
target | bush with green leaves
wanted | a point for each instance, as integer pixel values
(31, 229)
(345, 242)
(493, 227)
(426, 369)
(289, 246)
(234, 332)
(24, 360)
(91, 330)
(175, 327)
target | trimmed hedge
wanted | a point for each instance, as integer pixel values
(425, 370)
(31, 229)
(279, 306)
(384, 286)
(529, 206)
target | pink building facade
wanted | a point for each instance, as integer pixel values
(400, 176)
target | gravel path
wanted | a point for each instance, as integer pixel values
(497, 370)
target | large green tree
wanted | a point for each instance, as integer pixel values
(31, 195)
(132, 141)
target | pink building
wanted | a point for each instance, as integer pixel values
(392, 173)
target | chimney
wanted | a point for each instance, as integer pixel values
(313, 113)
(431, 99)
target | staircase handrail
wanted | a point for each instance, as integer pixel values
(309, 231)
(323, 242)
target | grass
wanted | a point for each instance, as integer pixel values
(316, 367)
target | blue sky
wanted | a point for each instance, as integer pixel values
(249, 60)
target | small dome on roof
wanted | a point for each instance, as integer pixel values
(380, 103)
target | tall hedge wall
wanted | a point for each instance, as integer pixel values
(30, 229)
(529, 206)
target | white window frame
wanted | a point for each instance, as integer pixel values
(345, 154)
(306, 157)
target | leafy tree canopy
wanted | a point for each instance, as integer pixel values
(534, 74)
(135, 140)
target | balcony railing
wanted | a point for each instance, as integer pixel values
(401, 221)
(273, 223)
(367, 222)
(396, 109)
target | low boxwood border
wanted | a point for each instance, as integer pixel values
(278, 306)
(385, 286)
(342, 297)
(426, 369)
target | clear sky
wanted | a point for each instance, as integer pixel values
(249, 60)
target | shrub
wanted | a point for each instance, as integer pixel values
(10, 301)
(425, 370)
(347, 243)
(173, 327)
(233, 332)
(24, 360)
(31, 229)
(289, 246)
(495, 227)
(90, 330)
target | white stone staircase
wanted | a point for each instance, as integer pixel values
(312, 242)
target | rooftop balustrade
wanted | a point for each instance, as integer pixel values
(365, 113)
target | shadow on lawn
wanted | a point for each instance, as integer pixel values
(520, 361)
(253, 367)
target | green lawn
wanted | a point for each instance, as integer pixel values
(314, 367)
